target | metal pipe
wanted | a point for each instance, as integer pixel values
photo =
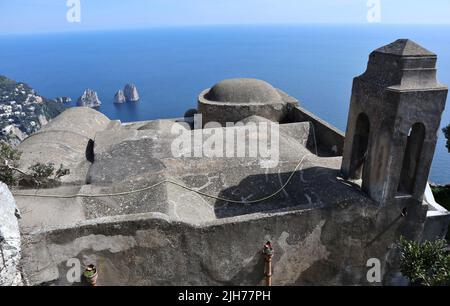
(268, 255)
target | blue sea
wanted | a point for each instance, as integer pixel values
(171, 66)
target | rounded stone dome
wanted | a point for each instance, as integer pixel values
(243, 91)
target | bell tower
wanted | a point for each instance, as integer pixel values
(393, 122)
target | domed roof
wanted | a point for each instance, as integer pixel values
(243, 91)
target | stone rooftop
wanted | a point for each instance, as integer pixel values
(135, 155)
(405, 47)
(243, 90)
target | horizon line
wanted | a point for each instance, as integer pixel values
(149, 27)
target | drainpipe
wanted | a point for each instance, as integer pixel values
(1, 251)
(268, 254)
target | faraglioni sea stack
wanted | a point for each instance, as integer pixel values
(131, 93)
(119, 97)
(89, 99)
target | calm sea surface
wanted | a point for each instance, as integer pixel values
(171, 66)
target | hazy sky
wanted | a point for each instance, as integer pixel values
(51, 15)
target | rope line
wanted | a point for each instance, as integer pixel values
(80, 195)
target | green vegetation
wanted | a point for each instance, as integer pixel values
(51, 108)
(446, 131)
(22, 112)
(425, 264)
(22, 108)
(442, 195)
(45, 174)
(8, 160)
(39, 175)
(89, 273)
(8, 84)
(41, 171)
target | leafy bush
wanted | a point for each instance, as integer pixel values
(43, 175)
(9, 153)
(425, 264)
(41, 171)
(7, 84)
(446, 131)
(442, 196)
(51, 109)
(8, 160)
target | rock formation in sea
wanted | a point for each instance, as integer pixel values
(89, 99)
(119, 97)
(131, 93)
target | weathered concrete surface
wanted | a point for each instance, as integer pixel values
(149, 249)
(235, 99)
(140, 155)
(10, 252)
(329, 139)
(63, 141)
(136, 155)
(46, 212)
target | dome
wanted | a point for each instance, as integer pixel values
(243, 91)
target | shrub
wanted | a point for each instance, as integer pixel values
(425, 264)
(446, 131)
(42, 175)
(41, 171)
(8, 160)
(442, 196)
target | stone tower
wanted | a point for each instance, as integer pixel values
(393, 122)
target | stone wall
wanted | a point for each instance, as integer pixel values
(329, 137)
(312, 247)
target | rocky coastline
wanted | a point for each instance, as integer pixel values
(23, 111)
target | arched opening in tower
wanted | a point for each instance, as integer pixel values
(411, 159)
(360, 144)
